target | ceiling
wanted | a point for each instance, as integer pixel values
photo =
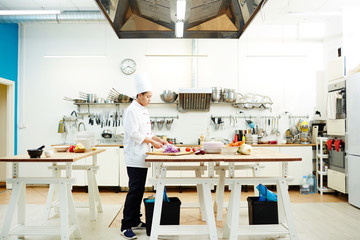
(274, 12)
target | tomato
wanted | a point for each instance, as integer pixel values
(170, 142)
(188, 149)
(194, 149)
(71, 148)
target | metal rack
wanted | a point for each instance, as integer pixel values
(319, 166)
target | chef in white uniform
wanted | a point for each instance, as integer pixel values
(138, 139)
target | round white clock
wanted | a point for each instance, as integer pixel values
(128, 66)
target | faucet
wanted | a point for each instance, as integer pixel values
(81, 123)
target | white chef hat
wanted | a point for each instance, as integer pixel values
(142, 83)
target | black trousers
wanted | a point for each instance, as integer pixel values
(131, 212)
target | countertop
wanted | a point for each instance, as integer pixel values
(195, 145)
(258, 155)
(57, 157)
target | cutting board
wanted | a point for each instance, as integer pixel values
(168, 154)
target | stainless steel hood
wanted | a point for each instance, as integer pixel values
(195, 99)
(203, 18)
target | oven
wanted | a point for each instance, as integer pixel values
(337, 158)
(340, 105)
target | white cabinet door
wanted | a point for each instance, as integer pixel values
(296, 170)
(109, 166)
(270, 169)
(124, 179)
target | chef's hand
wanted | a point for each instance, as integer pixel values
(156, 144)
(163, 142)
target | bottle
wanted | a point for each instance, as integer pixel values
(304, 187)
(311, 180)
(201, 140)
(207, 137)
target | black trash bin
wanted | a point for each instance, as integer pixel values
(170, 214)
(262, 212)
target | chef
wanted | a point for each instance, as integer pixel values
(138, 139)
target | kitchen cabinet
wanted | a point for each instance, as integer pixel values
(272, 168)
(124, 179)
(109, 167)
(296, 170)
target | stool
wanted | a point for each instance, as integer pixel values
(68, 221)
(286, 222)
(93, 189)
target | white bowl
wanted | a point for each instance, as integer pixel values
(229, 150)
(49, 153)
(61, 148)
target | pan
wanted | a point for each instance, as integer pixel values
(76, 101)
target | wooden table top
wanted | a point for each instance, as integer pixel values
(57, 157)
(257, 155)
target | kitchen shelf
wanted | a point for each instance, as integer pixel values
(320, 174)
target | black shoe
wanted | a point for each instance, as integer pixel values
(140, 226)
(128, 234)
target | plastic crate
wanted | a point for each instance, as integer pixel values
(262, 212)
(170, 214)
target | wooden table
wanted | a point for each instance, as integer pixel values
(231, 229)
(68, 220)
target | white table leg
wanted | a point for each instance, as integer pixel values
(97, 195)
(91, 190)
(22, 207)
(219, 198)
(64, 212)
(16, 189)
(210, 218)
(200, 194)
(157, 210)
(283, 192)
(235, 211)
(232, 217)
(72, 214)
(256, 173)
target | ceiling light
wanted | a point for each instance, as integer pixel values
(29, 12)
(323, 13)
(180, 9)
(179, 29)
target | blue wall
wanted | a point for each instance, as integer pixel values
(9, 60)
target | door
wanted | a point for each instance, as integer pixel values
(354, 180)
(353, 114)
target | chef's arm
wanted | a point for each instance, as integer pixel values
(152, 141)
(162, 141)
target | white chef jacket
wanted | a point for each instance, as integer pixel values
(136, 127)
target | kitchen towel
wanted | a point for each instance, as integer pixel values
(331, 104)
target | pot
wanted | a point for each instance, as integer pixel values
(229, 95)
(216, 94)
(106, 133)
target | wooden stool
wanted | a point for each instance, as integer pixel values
(68, 221)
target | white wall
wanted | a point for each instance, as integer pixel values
(248, 65)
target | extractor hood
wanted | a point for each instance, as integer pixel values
(194, 99)
(203, 18)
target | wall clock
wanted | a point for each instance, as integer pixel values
(128, 66)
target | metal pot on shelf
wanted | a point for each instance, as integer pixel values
(229, 95)
(216, 94)
(107, 133)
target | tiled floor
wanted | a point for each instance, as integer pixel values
(318, 217)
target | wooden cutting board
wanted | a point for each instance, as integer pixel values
(168, 154)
